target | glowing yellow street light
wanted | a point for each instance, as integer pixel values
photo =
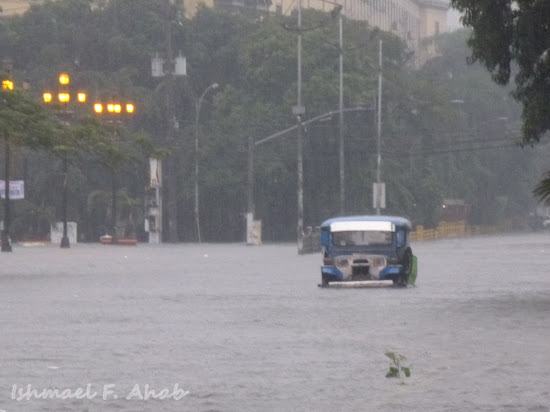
(64, 78)
(64, 97)
(7, 84)
(114, 108)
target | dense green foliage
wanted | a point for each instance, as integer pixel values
(432, 149)
(512, 39)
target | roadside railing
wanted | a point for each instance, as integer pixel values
(451, 229)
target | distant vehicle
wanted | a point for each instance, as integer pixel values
(367, 251)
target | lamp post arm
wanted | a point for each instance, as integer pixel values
(198, 105)
(305, 123)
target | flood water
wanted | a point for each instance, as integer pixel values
(247, 329)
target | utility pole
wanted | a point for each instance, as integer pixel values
(299, 111)
(170, 68)
(341, 107)
(171, 204)
(380, 195)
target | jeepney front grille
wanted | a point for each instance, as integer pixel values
(360, 269)
(360, 266)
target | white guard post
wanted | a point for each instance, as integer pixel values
(253, 230)
(153, 220)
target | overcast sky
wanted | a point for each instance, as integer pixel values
(452, 20)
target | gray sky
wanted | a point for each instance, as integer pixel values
(452, 20)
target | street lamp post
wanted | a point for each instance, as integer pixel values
(64, 98)
(6, 242)
(114, 109)
(65, 238)
(197, 132)
(299, 110)
(379, 192)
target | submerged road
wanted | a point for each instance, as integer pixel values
(219, 327)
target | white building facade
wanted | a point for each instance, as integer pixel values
(411, 20)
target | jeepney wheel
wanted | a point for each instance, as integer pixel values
(407, 263)
(325, 278)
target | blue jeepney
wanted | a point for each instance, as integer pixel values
(367, 251)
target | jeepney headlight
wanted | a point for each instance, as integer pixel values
(378, 261)
(342, 262)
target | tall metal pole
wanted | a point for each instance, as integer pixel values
(65, 239)
(6, 243)
(196, 208)
(250, 200)
(114, 236)
(197, 134)
(170, 186)
(379, 127)
(250, 192)
(341, 107)
(299, 112)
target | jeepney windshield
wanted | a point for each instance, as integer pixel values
(362, 238)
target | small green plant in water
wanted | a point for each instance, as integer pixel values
(396, 365)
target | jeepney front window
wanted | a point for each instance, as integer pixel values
(401, 238)
(362, 238)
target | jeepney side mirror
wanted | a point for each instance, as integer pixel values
(325, 238)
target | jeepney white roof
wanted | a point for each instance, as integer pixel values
(351, 226)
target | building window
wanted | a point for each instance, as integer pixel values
(436, 27)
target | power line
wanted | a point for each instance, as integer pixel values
(436, 152)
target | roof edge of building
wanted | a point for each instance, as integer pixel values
(434, 4)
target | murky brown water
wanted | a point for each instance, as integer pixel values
(247, 329)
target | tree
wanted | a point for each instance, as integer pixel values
(114, 149)
(23, 122)
(512, 38)
(427, 142)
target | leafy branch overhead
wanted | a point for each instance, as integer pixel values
(111, 144)
(25, 122)
(512, 38)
